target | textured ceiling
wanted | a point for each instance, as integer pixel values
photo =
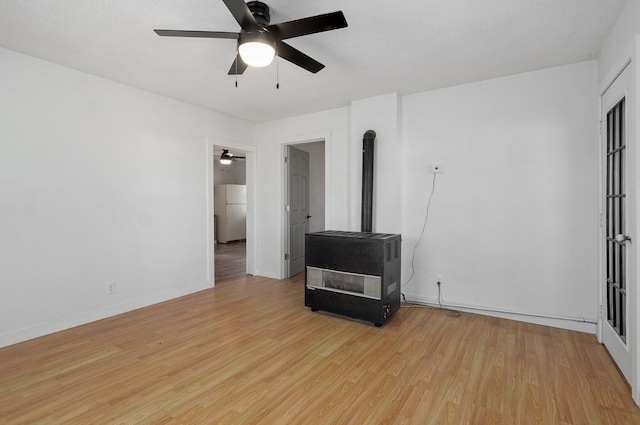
(389, 46)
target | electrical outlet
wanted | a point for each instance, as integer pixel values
(439, 280)
(436, 169)
(111, 288)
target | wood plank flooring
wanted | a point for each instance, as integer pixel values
(249, 352)
(230, 261)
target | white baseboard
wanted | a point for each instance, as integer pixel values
(570, 323)
(21, 335)
(270, 275)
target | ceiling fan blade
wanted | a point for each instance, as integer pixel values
(296, 57)
(198, 34)
(311, 25)
(226, 155)
(237, 67)
(242, 14)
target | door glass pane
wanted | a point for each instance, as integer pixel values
(615, 219)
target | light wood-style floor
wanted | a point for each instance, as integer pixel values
(249, 352)
(230, 260)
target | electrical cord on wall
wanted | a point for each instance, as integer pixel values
(424, 227)
(447, 311)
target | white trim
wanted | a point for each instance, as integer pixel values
(211, 264)
(635, 308)
(601, 228)
(292, 141)
(609, 82)
(284, 262)
(579, 324)
(252, 220)
(252, 212)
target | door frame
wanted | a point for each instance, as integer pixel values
(251, 247)
(284, 243)
(632, 344)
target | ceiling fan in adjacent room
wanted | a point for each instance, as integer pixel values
(259, 42)
(227, 157)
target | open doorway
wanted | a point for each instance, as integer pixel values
(305, 199)
(230, 213)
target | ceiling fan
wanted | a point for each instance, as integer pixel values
(227, 157)
(258, 41)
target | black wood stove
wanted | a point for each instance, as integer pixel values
(354, 274)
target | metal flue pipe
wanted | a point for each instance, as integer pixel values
(367, 181)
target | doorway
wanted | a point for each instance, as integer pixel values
(304, 199)
(230, 213)
(617, 329)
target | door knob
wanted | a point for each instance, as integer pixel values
(623, 238)
(308, 216)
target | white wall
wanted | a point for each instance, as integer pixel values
(513, 223)
(99, 182)
(382, 115)
(619, 46)
(234, 173)
(332, 127)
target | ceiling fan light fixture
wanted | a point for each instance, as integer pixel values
(256, 48)
(226, 158)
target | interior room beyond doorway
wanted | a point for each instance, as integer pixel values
(229, 214)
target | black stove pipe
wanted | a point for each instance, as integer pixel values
(367, 181)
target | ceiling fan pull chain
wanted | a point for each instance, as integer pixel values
(277, 71)
(236, 62)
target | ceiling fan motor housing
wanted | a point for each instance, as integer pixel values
(260, 11)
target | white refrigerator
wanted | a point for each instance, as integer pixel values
(230, 208)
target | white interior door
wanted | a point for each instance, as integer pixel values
(298, 207)
(618, 224)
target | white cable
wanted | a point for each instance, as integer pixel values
(424, 226)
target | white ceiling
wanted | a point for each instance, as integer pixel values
(389, 46)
